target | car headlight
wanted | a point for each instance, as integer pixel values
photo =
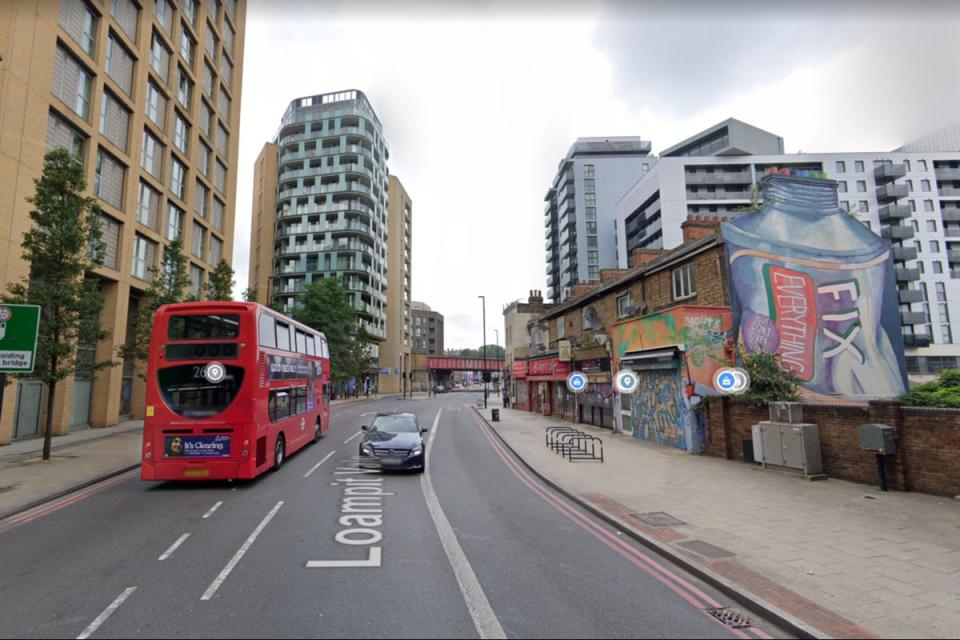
(367, 449)
(417, 451)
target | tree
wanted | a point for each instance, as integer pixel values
(62, 247)
(168, 285)
(325, 306)
(356, 359)
(769, 380)
(943, 392)
(220, 284)
(250, 294)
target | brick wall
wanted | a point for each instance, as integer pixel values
(640, 257)
(928, 441)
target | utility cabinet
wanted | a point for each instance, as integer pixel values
(794, 446)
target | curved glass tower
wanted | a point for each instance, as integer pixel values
(331, 203)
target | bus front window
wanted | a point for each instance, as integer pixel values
(188, 393)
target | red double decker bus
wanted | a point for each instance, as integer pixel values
(233, 388)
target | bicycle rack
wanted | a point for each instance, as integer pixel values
(574, 444)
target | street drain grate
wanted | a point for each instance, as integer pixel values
(730, 618)
(657, 519)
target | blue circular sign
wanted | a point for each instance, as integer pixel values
(626, 381)
(726, 381)
(576, 382)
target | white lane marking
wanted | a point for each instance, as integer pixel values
(173, 547)
(374, 558)
(317, 466)
(106, 613)
(212, 509)
(484, 619)
(212, 589)
(352, 437)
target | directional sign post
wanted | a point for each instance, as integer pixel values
(19, 324)
(576, 382)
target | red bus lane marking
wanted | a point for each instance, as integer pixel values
(675, 583)
(66, 501)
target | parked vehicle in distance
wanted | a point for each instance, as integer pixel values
(439, 389)
(394, 441)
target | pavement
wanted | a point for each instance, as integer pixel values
(824, 559)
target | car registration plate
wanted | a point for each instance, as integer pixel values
(391, 460)
(196, 473)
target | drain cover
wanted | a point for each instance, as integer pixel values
(657, 519)
(730, 618)
(706, 549)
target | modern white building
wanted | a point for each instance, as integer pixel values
(910, 196)
(580, 208)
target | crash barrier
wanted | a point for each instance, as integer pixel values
(574, 444)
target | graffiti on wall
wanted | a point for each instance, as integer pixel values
(658, 413)
(814, 286)
(703, 331)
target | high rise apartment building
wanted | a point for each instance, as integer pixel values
(579, 213)
(910, 196)
(146, 96)
(395, 362)
(320, 206)
(427, 330)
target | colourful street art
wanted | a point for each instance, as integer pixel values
(702, 330)
(816, 287)
(658, 413)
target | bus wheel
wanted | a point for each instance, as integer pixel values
(316, 431)
(279, 453)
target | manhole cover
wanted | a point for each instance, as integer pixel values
(730, 618)
(657, 519)
(706, 549)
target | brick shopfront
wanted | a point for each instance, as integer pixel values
(542, 387)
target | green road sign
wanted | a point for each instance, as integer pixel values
(19, 324)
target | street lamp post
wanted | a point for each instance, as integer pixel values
(496, 342)
(484, 298)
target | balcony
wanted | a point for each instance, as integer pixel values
(719, 195)
(902, 254)
(951, 232)
(947, 173)
(897, 232)
(907, 275)
(720, 177)
(551, 230)
(886, 172)
(894, 212)
(909, 296)
(950, 214)
(917, 340)
(953, 255)
(913, 317)
(892, 191)
(949, 192)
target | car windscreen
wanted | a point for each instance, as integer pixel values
(204, 327)
(395, 424)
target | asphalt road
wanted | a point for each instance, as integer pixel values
(475, 547)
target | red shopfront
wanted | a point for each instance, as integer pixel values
(546, 387)
(521, 398)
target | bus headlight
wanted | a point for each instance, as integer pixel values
(148, 455)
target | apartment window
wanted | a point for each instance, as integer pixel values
(114, 121)
(920, 266)
(127, 16)
(925, 185)
(190, 10)
(200, 195)
(588, 171)
(206, 119)
(913, 206)
(231, 7)
(178, 176)
(223, 102)
(156, 105)
(846, 205)
(919, 246)
(560, 328)
(151, 156)
(181, 133)
(591, 242)
(910, 186)
(184, 88)
(148, 207)
(80, 23)
(199, 240)
(932, 225)
(861, 186)
(159, 57)
(593, 272)
(207, 79)
(916, 225)
(218, 210)
(593, 256)
(220, 177)
(590, 199)
(683, 282)
(865, 223)
(923, 165)
(119, 65)
(144, 253)
(203, 159)
(210, 43)
(163, 10)
(842, 186)
(223, 139)
(110, 235)
(196, 280)
(108, 181)
(937, 266)
(589, 184)
(61, 133)
(864, 206)
(624, 305)
(591, 228)
(174, 222)
(935, 246)
(928, 205)
(71, 83)
(591, 213)
(228, 36)
(187, 47)
(858, 166)
(841, 166)
(226, 70)
(216, 250)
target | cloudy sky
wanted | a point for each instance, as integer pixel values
(480, 101)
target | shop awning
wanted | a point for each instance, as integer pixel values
(664, 358)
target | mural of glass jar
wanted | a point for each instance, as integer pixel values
(816, 287)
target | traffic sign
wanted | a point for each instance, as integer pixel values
(626, 381)
(576, 382)
(731, 380)
(19, 324)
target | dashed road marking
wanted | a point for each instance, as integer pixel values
(100, 619)
(173, 547)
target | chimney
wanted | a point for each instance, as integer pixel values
(609, 275)
(696, 227)
(535, 297)
(582, 288)
(642, 257)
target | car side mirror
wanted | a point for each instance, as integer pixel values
(424, 429)
(365, 428)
